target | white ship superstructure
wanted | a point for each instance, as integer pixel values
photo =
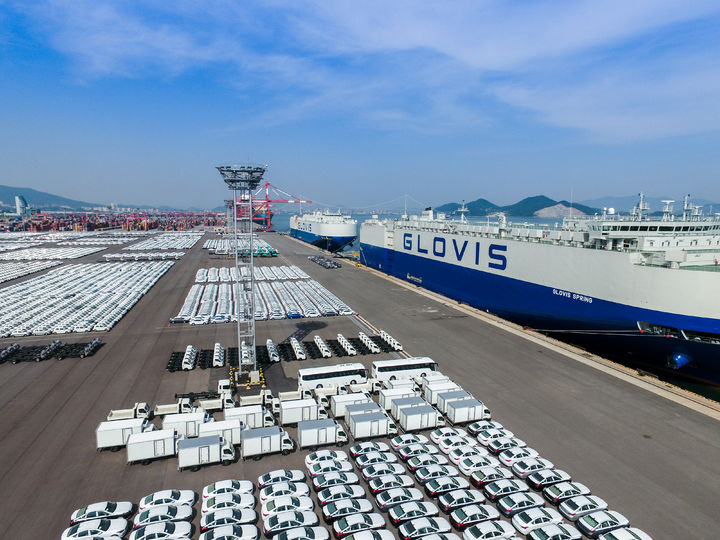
(327, 230)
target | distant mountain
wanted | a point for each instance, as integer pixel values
(539, 205)
(40, 199)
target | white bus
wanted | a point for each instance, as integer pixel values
(404, 368)
(338, 375)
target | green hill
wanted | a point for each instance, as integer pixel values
(524, 208)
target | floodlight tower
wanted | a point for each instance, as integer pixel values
(244, 179)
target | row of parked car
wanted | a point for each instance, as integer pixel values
(76, 297)
(167, 241)
(14, 270)
(45, 253)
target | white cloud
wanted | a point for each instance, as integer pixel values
(415, 65)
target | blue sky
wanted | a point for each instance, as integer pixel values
(361, 102)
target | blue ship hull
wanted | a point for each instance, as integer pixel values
(329, 243)
(608, 328)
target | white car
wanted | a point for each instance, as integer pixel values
(285, 504)
(511, 455)
(423, 527)
(456, 455)
(328, 466)
(101, 510)
(96, 527)
(495, 530)
(228, 486)
(166, 512)
(304, 533)
(369, 446)
(529, 520)
(228, 516)
(228, 500)
(376, 534)
(355, 523)
(448, 444)
(297, 489)
(280, 475)
(525, 467)
(167, 496)
(486, 435)
(472, 463)
(232, 532)
(561, 531)
(408, 438)
(576, 507)
(480, 425)
(372, 458)
(289, 520)
(323, 455)
(168, 530)
(443, 432)
(626, 533)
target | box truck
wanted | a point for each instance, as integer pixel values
(314, 433)
(150, 445)
(322, 394)
(339, 402)
(419, 418)
(230, 430)
(225, 401)
(387, 395)
(194, 453)
(114, 434)
(297, 410)
(400, 383)
(371, 424)
(253, 416)
(444, 398)
(267, 440)
(293, 395)
(430, 378)
(431, 391)
(360, 408)
(263, 398)
(139, 410)
(401, 403)
(467, 410)
(187, 424)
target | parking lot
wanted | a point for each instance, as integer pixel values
(653, 460)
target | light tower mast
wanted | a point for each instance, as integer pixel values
(244, 179)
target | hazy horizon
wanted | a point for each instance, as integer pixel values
(576, 100)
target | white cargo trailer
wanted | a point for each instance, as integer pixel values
(372, 424)
(401, 403)
(339, 402)
(297, 410)
(268, 440)
(431, 392)
(314, 433)
(115, 434)
(361, 408)
(467, 410)
(444, 398)
(144, 447)
(194, 453)
(230, 430)
(253, 416)
(386, 396)
(187, 424)
(419, 418)
(400, 383)
(430, 378)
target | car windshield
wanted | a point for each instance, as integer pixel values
(175, 494)
(331, 508)
(572, 505)
(461, 514)
(342, 524)
(271, 505)
(169, 527)
(111, 506)
(591, 521)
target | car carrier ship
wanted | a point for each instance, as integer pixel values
(327, 230)
(646, 289)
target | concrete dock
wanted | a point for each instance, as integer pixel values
(651, 457)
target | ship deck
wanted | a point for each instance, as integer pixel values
(650, 453)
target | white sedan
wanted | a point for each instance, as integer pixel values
(96, 527)
(495, 530)
(101, 510)
(166, 512)
(228, 500)
(228, 486)
(167, 496)
(529, 520)
(232, 532)
(280, 475)
(323, 455)
(285, 504)
(443, 432)
(169, 530)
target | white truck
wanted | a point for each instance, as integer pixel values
(272, 351)
(371, 424)
(298, 349)
(218, 355)
(394, 343)
(314, 433)
(322, 394)
(224, 387)
(322, 346)
(265, 397)
(400, 383)
(187, 424)
(467, 410)
(253, 416)
(302, 393)
(420, 418)
(361, 408)
(345, 344)
(139, 410)
(369, 343)
(194, 453)
(182, 405)
(429, 378)
(189, 358)
(339, 402)
(150, 445)
(225, 401)
(114, 435)
(262, 441)
(297, 410)
(431, 391)
(444, 398)
(371, 386)
(387, 395)
(401, 403)
(230, 430)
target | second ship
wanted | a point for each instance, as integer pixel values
(331, 231)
